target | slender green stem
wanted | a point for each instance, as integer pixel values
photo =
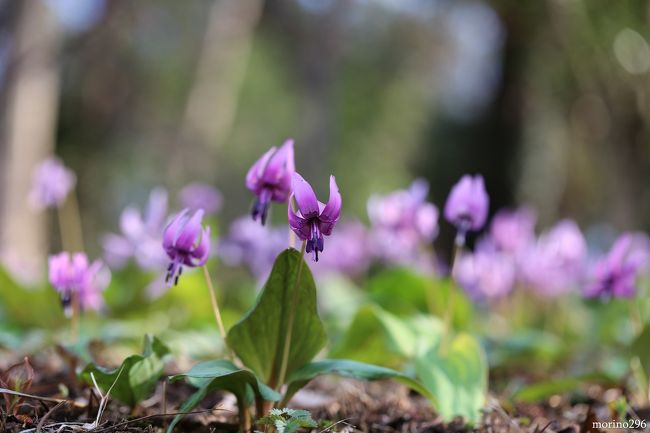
(215, 305)
(451, 301)
(292, 317)
(245, 425)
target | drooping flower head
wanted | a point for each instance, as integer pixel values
(201, 196)
(270, 179)
(467, 205)
(616, 274)
(555, 264)
(52, 182)
(403, 223)
(313, 219)
(513, 230)
(72, 275)
(186, 242)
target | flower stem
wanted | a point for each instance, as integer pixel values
(451, 302)
(213, 301)
(292, 318)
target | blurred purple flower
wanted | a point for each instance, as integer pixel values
(141, 235)
(467, 205)
(348, 251)
(252, 245)
(403, 223)
(615, 275)
(555, 264)
(313, 219)
(72, 275)
(270, 179)
(513, 230)
(186, 243)
(52, 182)
(485, 274)
(201, 196)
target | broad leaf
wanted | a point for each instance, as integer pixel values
(457, 378)
(352, 369)
(211, 376)
(138, 377)
(378, 337)
(542, 390)
(258, 338)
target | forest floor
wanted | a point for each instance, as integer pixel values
(340, 405)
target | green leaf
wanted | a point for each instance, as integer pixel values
(258, 338)
(456, 378)
(378, 337)
(352, 369)
(211, 376)
(139, 376)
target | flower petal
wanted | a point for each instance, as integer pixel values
(332, 210)
(202, 251)
(280, 164)
(305, 196)
(190, 232)
(299, 225)
(256, 171)
(171, 231)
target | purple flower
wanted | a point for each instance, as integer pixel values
(72, 275)
(615, 275)
(201, 196)
(485, 274)
(403, 224)
(52, 182)
(252, 245)
(467, 204)
(270, 179)
(141, 235)
(313, 219)
(186, 243)
(555, 264)
(513, 230)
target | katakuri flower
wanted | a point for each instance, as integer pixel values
(467, 205)
(52, 182)
(486, 274)
(313, 220)
(513, 230)
(186, 242)
(270, 179)
(403, 224)
(141, 235)
(616, 274)
(72, 275)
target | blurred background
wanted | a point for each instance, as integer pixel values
(549, 100)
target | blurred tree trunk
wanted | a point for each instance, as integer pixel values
(30, 101)
(213, 99)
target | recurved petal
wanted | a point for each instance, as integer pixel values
(280, 164)
(256, 171)
(299, 225)
(190, 232)
(173, 228)
(202, 252)
(332, 210)
(305, 196)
